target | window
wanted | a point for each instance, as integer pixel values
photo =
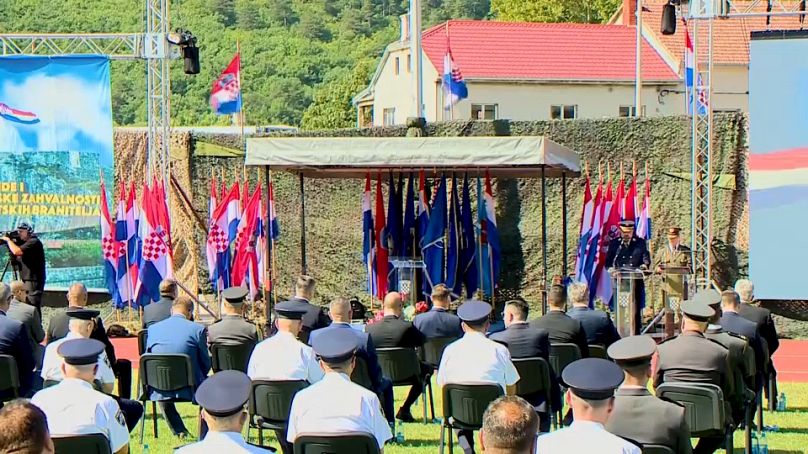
(483, 111)
(396, 67)
(628, 111)
(409, 63)
(562, 112)
(389, 116)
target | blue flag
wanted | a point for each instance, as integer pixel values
(454, 276)
(368, 240)
(489, 247)
(410, 248)
(468, 244)
(421, 224)
(433, 242)
(394, 237)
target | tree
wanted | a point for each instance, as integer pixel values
(332, 107)
(280, 12)
(226, 10)
(580, 11)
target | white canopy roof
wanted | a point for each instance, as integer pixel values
(352, 157)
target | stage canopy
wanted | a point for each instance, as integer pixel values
(353, 157)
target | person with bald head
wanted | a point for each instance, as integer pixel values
(393, 331)
(340, 313)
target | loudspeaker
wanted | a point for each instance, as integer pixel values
(668, 19)
(190, 56)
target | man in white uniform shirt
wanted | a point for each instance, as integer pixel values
(283, 357)
(591, 383)
(335, 405)
(474, 359)
(222, 398)
(73, 407)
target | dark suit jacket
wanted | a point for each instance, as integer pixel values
(437, 322)
(232, 330)
(634, 255)
(734, 323)
(14, 342)
(392, 331)
(365, 350)
(640, 416)
(28, 316)
(563, 329)
(58, 328)
(597, 325)
(765, 325)
(157, 312)
(737, 346)
(313, 319)
(525, 341)
(176, 334)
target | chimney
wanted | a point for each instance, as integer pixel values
(405, 27)
(629, 12)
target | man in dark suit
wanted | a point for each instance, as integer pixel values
(597, 324)
(14, 342)
(232, 329)
(562, 327)
(27, 314)
(178, 334)
(340, 312)
(438, 321)
(629, 251)
(765, 327)
(690, 357)
(58, 328)
(314, 318)
(161, 309)
(732, 322)
(393, 331)
(639, 415)
(524, 341)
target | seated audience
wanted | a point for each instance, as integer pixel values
(27, 314)
(24, 429)
(232, 328)
(160, 309)
(14, 342)
(597, 324)
(510, 426)
(438, 321)
(562, 327)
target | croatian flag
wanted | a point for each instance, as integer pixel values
(233, 211)
(274, 225)
(210, 252)
(109, 246)
(17, 116)
(380, 237)
(421, 226)
(644, 222)
(246, 241)
(594, 236)
(225, 95)
(490, 250)
(123, 235)
(368, 245)
(585, 231)
(218, 244)
(611, 231)
(690, 73)
(630, 201)
(133, 244)
(256, 271)
(454, 87)
(156, 264)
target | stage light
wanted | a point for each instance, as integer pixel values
(190, 56)
(668, 19)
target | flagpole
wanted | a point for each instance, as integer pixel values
(128, 272)
(241, 107)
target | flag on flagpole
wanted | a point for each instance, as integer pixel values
(594, 237)
(408, 229)
(368, 241)
(225, 95)
(620, 197)
(454, 278)
(585, 231)
(380, 234)
(630, 201)
(421, 226)
(245, 240)
(110, 247)
(123, 236)
(493, 233)
(274, 224)
(602, 245)
(691, 78)
(257, 270)
(433, 241)
(211, 252)
(394, 235)
(468, 245)
(454, 87)
(134, 244)
(218, 242)
(644, 222)
(156, 261)
(611, 231)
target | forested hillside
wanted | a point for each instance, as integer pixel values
(293, 51)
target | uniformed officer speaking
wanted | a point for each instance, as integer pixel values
(630, 251)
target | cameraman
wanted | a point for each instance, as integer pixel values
(28, 256)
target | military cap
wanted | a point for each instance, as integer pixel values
(25, 226)
(708, 296)
(593, 378)
(626, 224)
(83, 314)
(633, 350)
(697, 310)
(235, 295)
(674, 231)
(224, 393)
(335, 346)
(80, 352)
(291, 310)
(473, 311)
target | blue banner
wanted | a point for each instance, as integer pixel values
(55, 141)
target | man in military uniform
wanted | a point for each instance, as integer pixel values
(73, 407)
(673, 260)
(639, 415)
(630, 251)
(693, 358)
(591, 382)
(222, 398)
(232, 329)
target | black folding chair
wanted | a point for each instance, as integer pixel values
(463, 408)
(562, 355)
(704, 408)
(164, 372)
(85, 444)
(360, 374)
(432, 350)
(534, 377)
(270, 404)
(401, 366)
(230, 357)
(657, 449)
(344, 443)
(141, 341)
(598, 351)
(9, 377)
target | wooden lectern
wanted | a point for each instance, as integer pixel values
(675, 282)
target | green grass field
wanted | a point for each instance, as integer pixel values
(791, 438)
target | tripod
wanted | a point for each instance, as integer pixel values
(5, 269)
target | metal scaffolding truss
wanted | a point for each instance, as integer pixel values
(702, 13)
(151, 46)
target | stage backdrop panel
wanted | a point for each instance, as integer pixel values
(778, 164)
(55, 140)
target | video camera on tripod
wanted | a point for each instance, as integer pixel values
(13, 235)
